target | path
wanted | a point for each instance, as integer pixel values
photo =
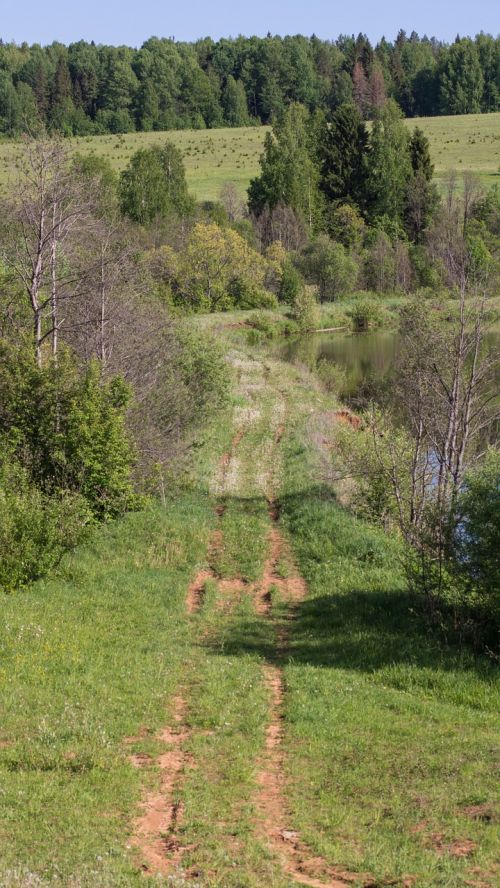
(250, 468)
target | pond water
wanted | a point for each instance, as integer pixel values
(367, 362)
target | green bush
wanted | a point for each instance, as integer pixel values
(247, 294)
(305, 310)
(478, 536)
(291, 283)
(66, 427)
(366, 313)
(35, 529)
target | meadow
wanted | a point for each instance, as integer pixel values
(213, 157)
(185, 709)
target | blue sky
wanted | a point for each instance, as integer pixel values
(133, 21)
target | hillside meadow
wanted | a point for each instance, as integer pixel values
(212, 157)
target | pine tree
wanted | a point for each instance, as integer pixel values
(342, 151)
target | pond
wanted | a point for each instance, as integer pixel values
(367, 362)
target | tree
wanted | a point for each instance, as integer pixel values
(342, 149)
(328, 265)
(361, 90)
(153, 186)
(289, 174)
(421, 195)
(461, 80)
(234, 103)
(212, 260)
(48, 207)
(389, 164)
(291, 283)
(232, 202)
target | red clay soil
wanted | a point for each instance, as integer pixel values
(348, 418)
(196, 591)
(155, 830)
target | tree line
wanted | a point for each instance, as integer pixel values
(83, 88)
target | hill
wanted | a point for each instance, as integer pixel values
(212, 157)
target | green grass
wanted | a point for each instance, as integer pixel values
(391, 734)
(464, 142)
(213, 157)
(88, 658)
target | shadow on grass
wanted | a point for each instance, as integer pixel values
(359, 615)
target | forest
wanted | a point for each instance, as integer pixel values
(84, 89)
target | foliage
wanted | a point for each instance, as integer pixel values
(154, 186)
(342, 150)
(67, 429)
(35, 528)
(291, 283)
(213, 260)
(389, 164)
(82, 89)
(365, 313)
(477, 537)
(328, 265)
(304, 310)
(288, 174)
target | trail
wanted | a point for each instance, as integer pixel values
(274, 823)
(255, 474)
(156, 830)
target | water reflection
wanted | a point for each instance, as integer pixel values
(368, 362)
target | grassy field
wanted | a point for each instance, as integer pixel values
(213, 157)
(235, 691)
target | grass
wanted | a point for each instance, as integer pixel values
(213, 157)
(88, 658)
(464, 142)
(389, 735)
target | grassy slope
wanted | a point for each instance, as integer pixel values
(213, 157)
(388, 736)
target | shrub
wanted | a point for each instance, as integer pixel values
(246, 294)
(35, 529)
(366, 313)
(328, 265)
(291, 283)
(67, 428)
(305, 310)
(477, 538)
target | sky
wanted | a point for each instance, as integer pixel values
(133, 21)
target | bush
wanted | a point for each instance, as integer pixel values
(328, 265)
(67, 428)
(477, 537)
(291, 283)
(35, 529)
(305, 310)
(247, 294)
(366, 313)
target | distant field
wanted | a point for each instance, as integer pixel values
(466, 142)
(212, 157)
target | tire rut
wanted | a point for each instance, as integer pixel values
(297, 861)
(155, 835)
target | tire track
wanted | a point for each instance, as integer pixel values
(297, 860)
(156, 830)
